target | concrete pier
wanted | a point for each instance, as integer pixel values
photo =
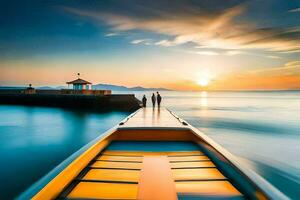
(126, 102)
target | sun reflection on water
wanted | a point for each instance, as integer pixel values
(203, 99)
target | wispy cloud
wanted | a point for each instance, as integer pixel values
(292, 64)
(216, 52)
(209, 28)
(291, 51)
(207, 53)
(292, 67)
(111, 34)
(165, 43)
(234, 52)
(295, 10)
(141, 41)
(273, 57)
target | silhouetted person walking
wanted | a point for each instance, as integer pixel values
(158, 99)
(153, 98)
(144, 100)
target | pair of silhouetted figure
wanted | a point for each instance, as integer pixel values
(153, 98)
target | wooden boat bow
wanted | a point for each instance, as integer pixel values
(152, 154)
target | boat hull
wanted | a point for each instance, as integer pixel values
(127, 161)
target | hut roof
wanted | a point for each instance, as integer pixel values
(79, 81)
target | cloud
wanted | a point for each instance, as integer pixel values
(274, 57)
(289, 68)
(214, 52)
(292, 64)
(165, 43)
(206, 26)
(204, 53)
(141, 41)
(291, 51)
(207, 53)
(111, 34)
(233, 53)
(295, 10)
(275, 39)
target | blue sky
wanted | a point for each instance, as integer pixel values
(151, 43)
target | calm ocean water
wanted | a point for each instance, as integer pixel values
(33, 140)
(261, 128)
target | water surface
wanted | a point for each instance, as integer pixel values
(33, 140)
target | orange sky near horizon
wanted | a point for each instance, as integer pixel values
(286, 77)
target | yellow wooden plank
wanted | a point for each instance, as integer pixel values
(197, 174)
(112, 175)
(192, 164)
(120, 158)
(207, 188)
(188, 158)
(156, 179)
(117, 165)
(144, 153)
(185, 153)
(96, 190)
(123, 153)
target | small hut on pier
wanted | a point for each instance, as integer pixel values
(80, 84)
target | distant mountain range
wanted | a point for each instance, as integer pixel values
(123, 88)
(95, 87)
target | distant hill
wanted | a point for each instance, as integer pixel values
(123, 88)
(51, 88)
(46, 88)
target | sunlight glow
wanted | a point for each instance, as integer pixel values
(204, 78)
(203, 82)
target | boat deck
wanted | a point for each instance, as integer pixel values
(153, 118)
(139, 170)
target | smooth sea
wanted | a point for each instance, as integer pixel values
(262, 129)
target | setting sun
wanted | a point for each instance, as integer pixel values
(203, 82)
(204, 78)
